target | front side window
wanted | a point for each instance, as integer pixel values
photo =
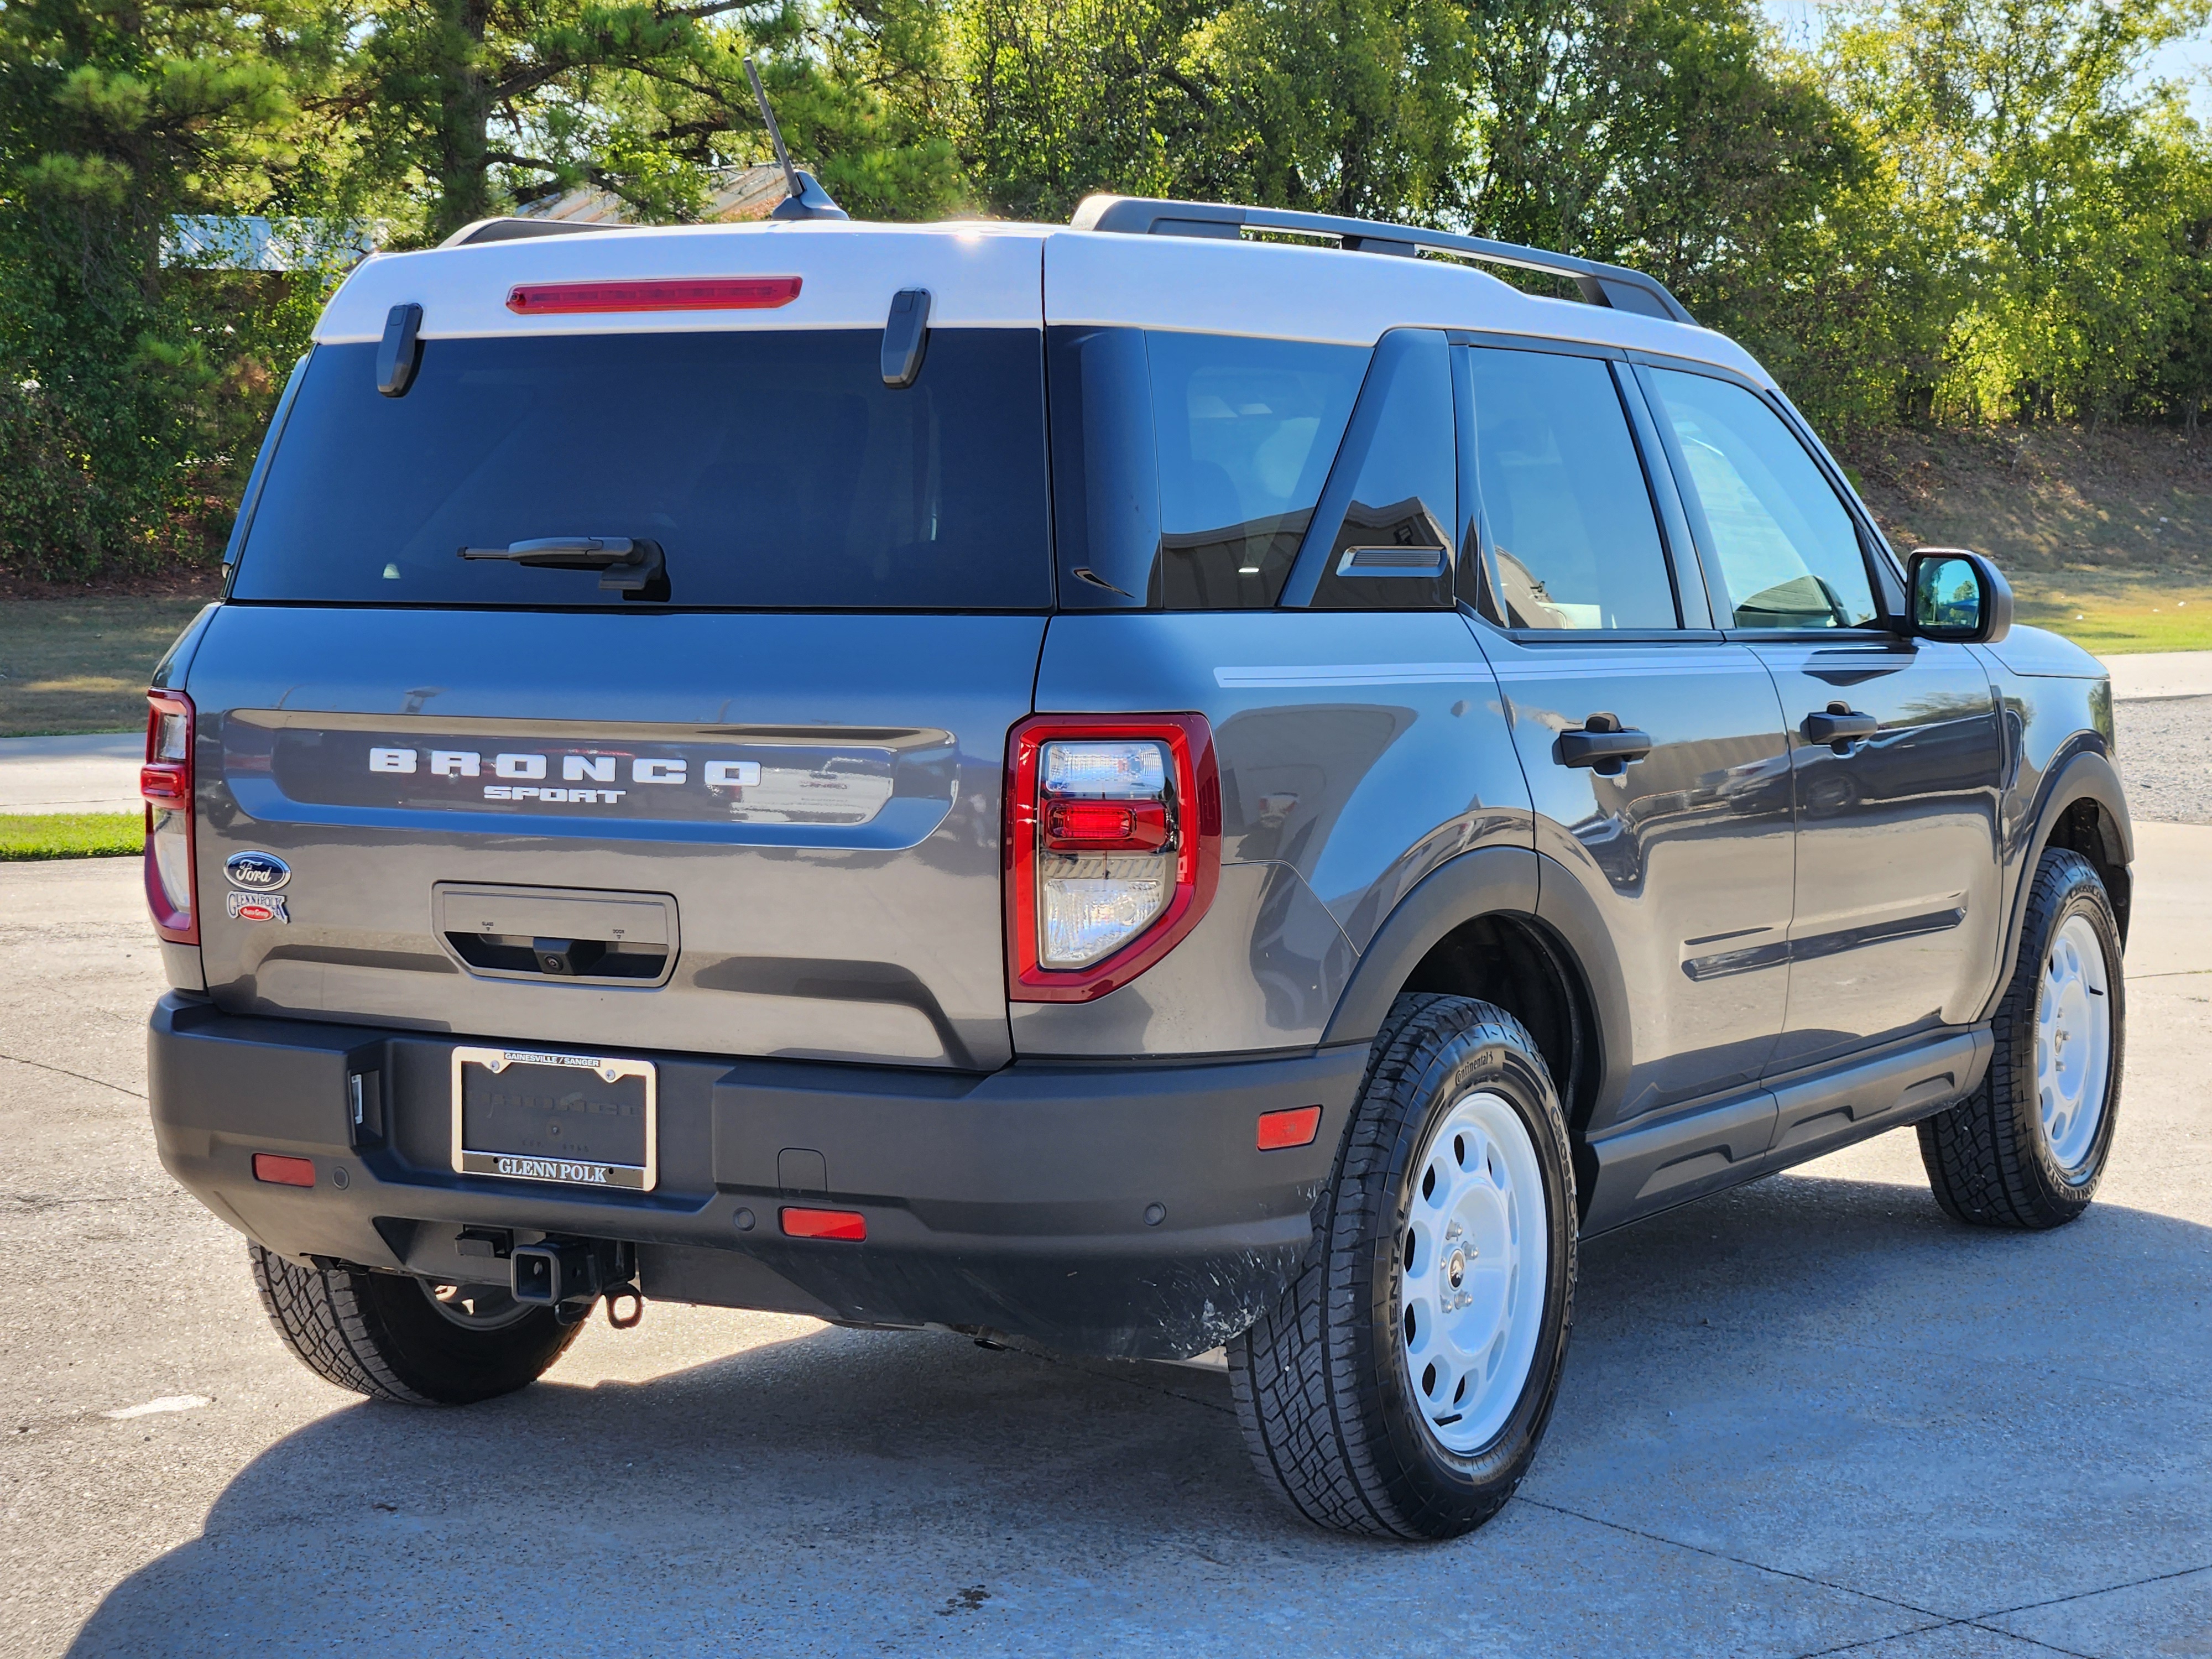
(1787, 550)
(1569, 538)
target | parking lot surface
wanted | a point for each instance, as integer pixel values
(1808, 1417)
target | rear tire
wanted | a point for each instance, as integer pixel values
(395, 1338)
(2027, 1148)
(1403, 1381)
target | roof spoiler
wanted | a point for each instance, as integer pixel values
(510, 229)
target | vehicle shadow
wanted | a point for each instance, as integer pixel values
(873, 1491)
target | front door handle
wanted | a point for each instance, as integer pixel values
(1839, 725)
(1603, 745)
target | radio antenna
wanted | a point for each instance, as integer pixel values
(774, 134)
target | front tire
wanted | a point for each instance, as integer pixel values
(1401, 1385)
(405, 1340)
(2027, 1148)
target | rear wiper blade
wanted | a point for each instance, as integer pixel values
(635, 569)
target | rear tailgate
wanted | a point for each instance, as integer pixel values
(759, 817)
(845, 905)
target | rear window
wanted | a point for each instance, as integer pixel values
(774, 469)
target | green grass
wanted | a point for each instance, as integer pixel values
(2117, 619)
(71, 834)
(73, 665)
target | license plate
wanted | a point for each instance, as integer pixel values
(576, 1120)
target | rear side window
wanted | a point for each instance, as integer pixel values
(1247, 430)
(1787, 549)
(1570, 540)
(773, 467)
(1186, 467)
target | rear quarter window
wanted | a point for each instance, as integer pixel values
(774, 468)
(1187, 466)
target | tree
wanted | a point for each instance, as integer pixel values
(2039, 171)
(113, 120)
(469, 105)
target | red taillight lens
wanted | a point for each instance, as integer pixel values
(654, 294)
(166, 782)
(1296, 1125)
(848, 1225)
(1104, 826)
(276, 1168)
(1113, 848)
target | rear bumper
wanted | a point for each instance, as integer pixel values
(1015, 1200)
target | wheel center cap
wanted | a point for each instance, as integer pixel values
(1456, 1268)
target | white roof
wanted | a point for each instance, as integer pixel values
(990, 274)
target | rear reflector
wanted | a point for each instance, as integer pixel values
(825, 1224)
(1295, 1127)
(654, 294)
(285, 1171)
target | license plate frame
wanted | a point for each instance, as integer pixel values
(513, 1163)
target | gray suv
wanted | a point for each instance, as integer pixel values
(1206, 778)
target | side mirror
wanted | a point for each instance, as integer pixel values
(1957, 595)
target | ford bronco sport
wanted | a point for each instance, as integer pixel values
(1205, 778)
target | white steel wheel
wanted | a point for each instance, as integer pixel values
(2073, 1042)
(1474, 1261)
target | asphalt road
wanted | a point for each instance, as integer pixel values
(1809, 1416)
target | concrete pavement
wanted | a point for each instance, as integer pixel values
(95, 773)
(1809, 1416)
(2154, 674)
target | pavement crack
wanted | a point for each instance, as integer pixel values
(1942, 1621)
(55, 1200)
(64, 1070)
(2083, 1595)
(1941, 1618)
(1874, 1642)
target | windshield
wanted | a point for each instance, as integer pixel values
(774, 469)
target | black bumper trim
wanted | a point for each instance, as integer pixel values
(1016, 1200)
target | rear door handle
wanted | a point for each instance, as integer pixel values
(1603, 745)
(1839, 726)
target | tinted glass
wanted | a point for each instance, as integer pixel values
(1391, 549)
(1246, 431)
(1570, 537)
(1787, 549)
(773, 467)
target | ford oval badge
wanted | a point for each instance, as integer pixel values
(259, 873)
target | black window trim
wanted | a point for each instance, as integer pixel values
(1303, 582)
(1692, 613)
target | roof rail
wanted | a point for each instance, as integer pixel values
(1601, 285)
(510, 229)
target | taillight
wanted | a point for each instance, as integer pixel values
(166, 782)
(1113, 848)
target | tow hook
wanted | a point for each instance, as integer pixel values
(630, 1294)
